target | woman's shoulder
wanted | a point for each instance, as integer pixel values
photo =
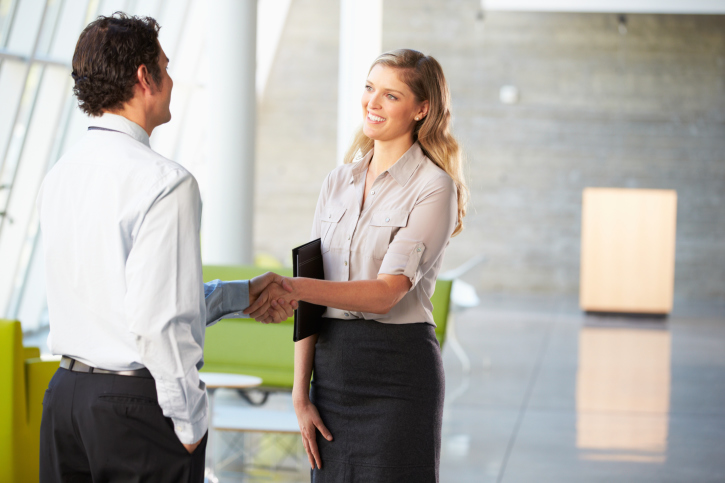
(341, 174)
(433, 177)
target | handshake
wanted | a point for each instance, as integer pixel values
(271, 298)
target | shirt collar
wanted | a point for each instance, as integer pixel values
(403, 168)
(121, 124)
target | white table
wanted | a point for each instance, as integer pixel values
(277, 426)
(214, 381)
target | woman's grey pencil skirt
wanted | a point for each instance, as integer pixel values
(379, 389)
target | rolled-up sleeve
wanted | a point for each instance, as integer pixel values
(165, 301)
(421, 242)
(226, 300)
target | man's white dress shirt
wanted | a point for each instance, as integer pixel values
(120, 227)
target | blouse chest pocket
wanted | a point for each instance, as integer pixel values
(383, 227)
(331, 216)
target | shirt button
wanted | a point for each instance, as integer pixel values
(387, 219)
(329, 216)
(346, 260)
(372, 192)
(348, 237)
(347, 314)
(418, 249)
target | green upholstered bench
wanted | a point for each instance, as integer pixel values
(24, 378)
(244, 346)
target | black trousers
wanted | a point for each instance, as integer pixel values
(106, 428)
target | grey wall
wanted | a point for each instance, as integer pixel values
(597, 108)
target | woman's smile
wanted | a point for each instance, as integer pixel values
(374, 119)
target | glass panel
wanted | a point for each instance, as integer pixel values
(16, 237)
(109, 7)
(25, 26)
(172, 17)
(15, 144)
(70, 26)
(32, 305)
(50, 24)
(12, 78)
(6, 14)
(183, 68)
(146, 8)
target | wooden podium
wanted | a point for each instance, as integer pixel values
(628, 250)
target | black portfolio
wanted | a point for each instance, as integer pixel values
(307, 262)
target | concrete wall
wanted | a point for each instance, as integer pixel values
(597, 108)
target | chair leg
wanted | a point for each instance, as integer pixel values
(246, 396)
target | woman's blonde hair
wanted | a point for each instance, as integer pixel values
(424, 76)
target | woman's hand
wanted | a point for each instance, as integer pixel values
(268, 304)
(310, 422)
(277, 297)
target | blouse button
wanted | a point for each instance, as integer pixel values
(347, 314)
(372, 192)
(387, 219)
(346, 260)
(418, 249)
(348, 237)
(330, 215)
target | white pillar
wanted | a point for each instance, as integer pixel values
(361, 38)
(228, 216)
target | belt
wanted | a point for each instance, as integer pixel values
(77, 366)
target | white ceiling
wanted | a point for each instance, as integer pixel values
(615, 6)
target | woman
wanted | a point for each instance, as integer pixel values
(385, 221)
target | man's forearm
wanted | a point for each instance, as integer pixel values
(225, 300)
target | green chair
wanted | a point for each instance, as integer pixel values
(244, 346)
(441, 300)
(24, 377)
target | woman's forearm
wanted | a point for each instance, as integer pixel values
(375, 296)
(304, 360)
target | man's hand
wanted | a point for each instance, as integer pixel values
(269, 301)
(191, 447)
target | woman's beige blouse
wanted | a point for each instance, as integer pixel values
(402, 229)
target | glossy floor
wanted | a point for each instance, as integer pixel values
(536, 391)
(556, 395)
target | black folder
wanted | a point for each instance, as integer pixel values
(307, 262)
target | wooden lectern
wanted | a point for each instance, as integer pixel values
(628, 250)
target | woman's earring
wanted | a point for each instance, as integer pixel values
(417, 118)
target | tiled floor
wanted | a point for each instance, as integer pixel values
(553, 395)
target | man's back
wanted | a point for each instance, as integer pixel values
(92, 206)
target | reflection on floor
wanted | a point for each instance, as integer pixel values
(554, 395)
(622, 371)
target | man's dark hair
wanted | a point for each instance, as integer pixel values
(107, 57)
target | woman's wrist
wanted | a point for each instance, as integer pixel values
(300, 398)
(297, 285)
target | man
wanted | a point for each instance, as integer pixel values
(126, 302)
